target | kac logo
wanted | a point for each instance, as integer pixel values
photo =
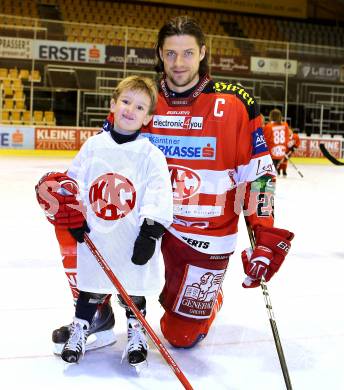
(185, 182)
(112, 196)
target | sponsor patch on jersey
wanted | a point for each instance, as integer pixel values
(196, 243)
(197, 211)
(186, 122)
(184, 148)
(258, 142)
(220, 257)
(264, 184)
(264, 165)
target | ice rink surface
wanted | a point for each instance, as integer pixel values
(238, 354)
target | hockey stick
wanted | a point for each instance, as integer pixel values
(297, 170)
(272, 320)
(165, 354)
(287, 158)
(329, 156)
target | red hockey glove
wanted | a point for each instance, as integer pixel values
(57, 195)
(272, 246)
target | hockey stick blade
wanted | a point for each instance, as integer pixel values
(127, 299)
(329, 156)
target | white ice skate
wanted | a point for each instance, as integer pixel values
(101, 332)
(137, 347)
(76, 344)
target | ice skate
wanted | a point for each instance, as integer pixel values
(137, 347)
(76, 344)
(101, 331)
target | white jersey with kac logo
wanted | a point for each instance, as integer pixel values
(121, 184)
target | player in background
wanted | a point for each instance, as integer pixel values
(276, 134)
(293, 144)
(211, 135)
(124, 203)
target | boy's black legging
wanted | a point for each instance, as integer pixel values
(87, 303)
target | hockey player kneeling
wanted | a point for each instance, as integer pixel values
(124, 204)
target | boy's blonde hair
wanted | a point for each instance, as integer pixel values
(138, 83)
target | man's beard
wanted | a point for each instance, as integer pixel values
(191, 78)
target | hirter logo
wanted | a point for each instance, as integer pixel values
(112, 196)
(185, 182)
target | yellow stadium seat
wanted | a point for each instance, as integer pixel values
(35, 76)
(20, 105)
(8, 91)
(49, 118)
(3, 73)
(38, 117)
(26, 118)
(19, 95)
(24, 74)
(16, 118)
(8, 104)
(6, 83)
(5, 117)
(17, 85)
(13, 73)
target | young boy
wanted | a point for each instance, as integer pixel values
(125, 187)
(276, 134)
(293, 143)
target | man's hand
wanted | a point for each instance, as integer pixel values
(272, 246)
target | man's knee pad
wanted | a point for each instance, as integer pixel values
(182, 332)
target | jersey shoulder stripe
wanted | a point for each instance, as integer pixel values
(240, 92)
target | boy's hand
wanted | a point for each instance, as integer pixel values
(144, 249)
(145, 243)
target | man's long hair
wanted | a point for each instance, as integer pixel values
(181, 25)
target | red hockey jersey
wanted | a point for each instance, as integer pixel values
(213, 142)
(277, 137)
(294, 140)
